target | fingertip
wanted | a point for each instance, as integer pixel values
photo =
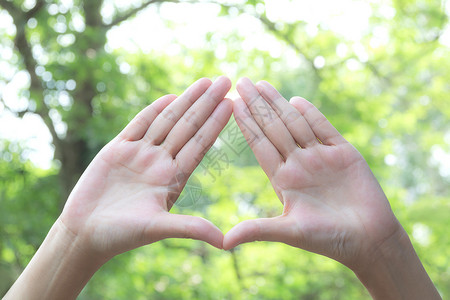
(243, 80)
(210, 233)
(237, 101)
(204, 80)
(268, 91)
(218, 243)
(243, 232)
(196, 89)
(170, 97)
(227, 102)
(166, 98)
(298, 100)
(263, 83)
(294, 99)
(201, 85)
(228, 243)
(301, 104)
(242, 83)
(224, 80)
(191, 227)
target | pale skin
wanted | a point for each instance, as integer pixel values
(333, 205)
(122, 200)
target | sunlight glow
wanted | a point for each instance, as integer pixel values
(171, 27)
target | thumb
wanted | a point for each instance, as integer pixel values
(190, 227)
(278, 229)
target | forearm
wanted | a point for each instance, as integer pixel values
(397, 273)
(59, 269)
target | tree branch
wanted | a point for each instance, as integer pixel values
(16, 12)
(236, 268)
(281, 35)
(30, 63)
(271, 27)
(37, 7)
(24, 48)
(10, 8)
(122, 17)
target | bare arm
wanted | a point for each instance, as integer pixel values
(122, 200)
(333, 204)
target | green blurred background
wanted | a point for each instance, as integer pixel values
(74, 72)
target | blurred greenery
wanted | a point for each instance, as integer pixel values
(387, 92)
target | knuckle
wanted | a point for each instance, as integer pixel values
(253, 140)
(320, 120)
(204, 144)
(291, 117)
(191, 117)
(307, 108)
(169, 115)
(141, 121)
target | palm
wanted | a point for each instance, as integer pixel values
(137, 170)
(123, 194)
(305, 168)
(326, 195)
(332, 202)
(122, 200)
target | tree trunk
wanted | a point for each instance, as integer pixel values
(72, 150)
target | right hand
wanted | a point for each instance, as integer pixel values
(333, 205)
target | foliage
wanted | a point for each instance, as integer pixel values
(387, 92)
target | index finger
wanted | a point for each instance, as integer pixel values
(267, 119)
(165, 121)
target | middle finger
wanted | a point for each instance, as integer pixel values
(194, 118)
(267, 119)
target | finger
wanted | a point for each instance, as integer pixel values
(137, 128)
(193, 152)
(265, 152)
(165, 121)
(195, 117)
(278, 229)
(321, 127)
(189, 227)
(266, 117)
(294, 121)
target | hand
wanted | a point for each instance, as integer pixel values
(333, 205)
(122, 200)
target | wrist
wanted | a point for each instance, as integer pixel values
(77, 248)
(395, 272)
(377, 253)
(59, 270)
